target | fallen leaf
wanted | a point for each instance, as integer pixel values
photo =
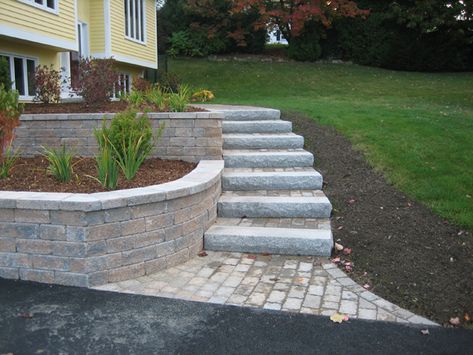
(338, 247)
(202, 253)
(347, 251)
(274, 279)
(460, 232)
(265, 254)
(348, 268)
(26, 315)
(454, 321)
(352, 201)
(340, 228)
(466, 317)
(425, 331)
(366, 286)
(339, 318)
(336, 260)
(468, 196)
(251, 257)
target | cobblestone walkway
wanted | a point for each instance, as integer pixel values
(296, 284)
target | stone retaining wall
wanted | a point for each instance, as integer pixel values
(92, 239)
(189, 136)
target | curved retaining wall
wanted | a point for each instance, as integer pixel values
(92, 239)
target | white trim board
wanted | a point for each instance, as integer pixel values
(38, 38)
(135, 61)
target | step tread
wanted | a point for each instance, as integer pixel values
(286, 233)
(236, 172)
(261, 135)
(274, 194)
(290, 151)
(293, 223)
(301, 169)
(263, 126)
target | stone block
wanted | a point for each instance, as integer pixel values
(152, 266)
(126, 272)
(31, 216)
(44, 276)
(96, 248)
(165, 248)
(50, 262)
(73, 249)
(138, 255)
(7, 215)
(52, 232)
(117, 215)
(149, 238)
(70, 218)
(149, 209)
(120, 244)
(104, 231)
(71, 279)
(133, 226)
(177, 258)
(19, 230)
(34, 246)
(173, 232)
(7, 245)
(15, 260)
(98, 278)
(9, 273)
(76, 234)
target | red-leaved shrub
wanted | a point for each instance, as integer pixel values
(141, 85)
(96, 80)
(47, 83)
(10, 111)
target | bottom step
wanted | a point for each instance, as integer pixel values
(287, 241)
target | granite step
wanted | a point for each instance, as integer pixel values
(288, 241)
(271, 179)
(262, 141)
(243, 113)
(264, 126)
(274, 203)
(264, 158)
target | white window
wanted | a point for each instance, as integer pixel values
(123, 85)
(135, 20)
(22, 72)
(49, 5)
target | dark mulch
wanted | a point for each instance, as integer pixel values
(405, 252)
(80, 107)
(30, 174)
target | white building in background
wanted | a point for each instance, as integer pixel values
(275, 36)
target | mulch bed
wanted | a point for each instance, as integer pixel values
(401, 249)
(30, 174)
(80, 107)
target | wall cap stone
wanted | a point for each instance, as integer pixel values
(95, 116)
(207, 173)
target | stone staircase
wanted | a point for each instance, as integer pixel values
(272, 200)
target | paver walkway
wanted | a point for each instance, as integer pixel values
(296, 284)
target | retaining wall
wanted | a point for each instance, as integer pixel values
(92, 239)
(189, 136)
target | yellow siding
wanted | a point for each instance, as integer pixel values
(97, 27)
(20, 16)
(44, 55)
(83, 11)
(130, 69)
(122, 46)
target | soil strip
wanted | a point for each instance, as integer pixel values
(401, 250)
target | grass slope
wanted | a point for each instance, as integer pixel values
(415, 127)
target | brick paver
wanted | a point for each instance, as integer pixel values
(295, 284)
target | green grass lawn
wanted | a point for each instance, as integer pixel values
(415, 127)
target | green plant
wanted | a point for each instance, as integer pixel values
(60, 163)
(47, 82)
(8, 161)
(5, 73)
(156, 97)
(168, 82)
(177, 102)
(136, 98)
(107, 167)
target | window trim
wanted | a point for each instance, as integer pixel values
(43, 7)
(137, 26)
(24, 58)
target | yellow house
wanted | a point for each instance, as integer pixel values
(59, 32)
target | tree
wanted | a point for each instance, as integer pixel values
(294, 17)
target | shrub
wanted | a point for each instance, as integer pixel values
(136, 98)
(140, 84)
(10, 111)
(202, 95)
(177, 102)
(306, 46)
(47, 82)
(156, 97)
(9, 159)
(60, 163)
(168, 82)
(97, 78)
(5, 73)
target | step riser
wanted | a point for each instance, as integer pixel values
(290, 142)
(249, 183)
(268, 244)
(273, 209)
(257, 115)
(257, 127)
(273, 161)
